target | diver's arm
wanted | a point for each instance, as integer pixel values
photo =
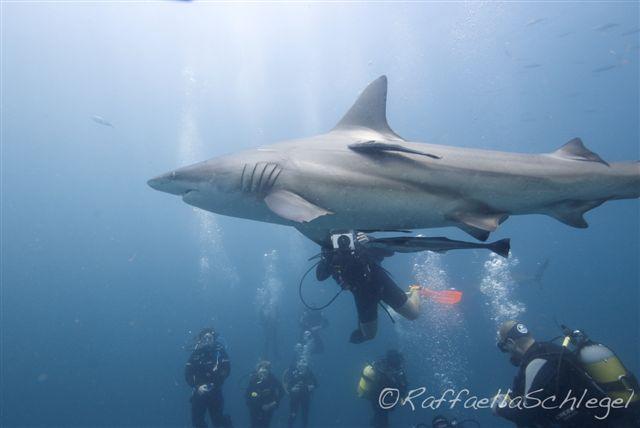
(189, 372)
(323, 270)
(538, 375)
(224, 366)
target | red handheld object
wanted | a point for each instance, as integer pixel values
(447, 297)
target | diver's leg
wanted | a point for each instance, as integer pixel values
(216, 410)
(318, 344)
(367, 307)
(380, 419)
(294, 403)
(198, 410)
(392, 295)
(306, 398)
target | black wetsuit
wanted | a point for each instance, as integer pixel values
(260, 393)
(300, 386)
(547, 371)
(387, 376)
(208, 365)
(361, 273)
(313, 322)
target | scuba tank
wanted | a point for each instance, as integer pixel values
(367, 381)
(602, 366)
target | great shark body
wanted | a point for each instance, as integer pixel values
(363, 176)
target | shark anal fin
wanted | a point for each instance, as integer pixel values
(293, 207)
(373, 146)
(369, 111)
(576, 150)
(571, 212)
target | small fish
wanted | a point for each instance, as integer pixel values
(101, 121)
(603, 68)
(631, 32)
(533, 65)
(564, 34)
(535, 21)
(605, 27)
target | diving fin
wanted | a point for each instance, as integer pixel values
(293, 207)
(501, 247)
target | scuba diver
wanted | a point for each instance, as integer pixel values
(358, 270)
(205, 371)
(387, 372)
(299, 382)
(577, 368)
(263, 395)
(311, 322)
(440, 421)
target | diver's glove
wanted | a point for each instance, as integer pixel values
(203, 389)
(357, 336)
(362, 238)
(326, 253)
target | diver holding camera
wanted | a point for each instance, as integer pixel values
(357, 269)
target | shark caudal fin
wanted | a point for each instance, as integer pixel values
(369, 113)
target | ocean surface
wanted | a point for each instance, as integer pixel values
(105, 281)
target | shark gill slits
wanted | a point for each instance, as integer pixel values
(261, 179)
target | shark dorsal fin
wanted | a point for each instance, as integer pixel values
(576, 150)
(369, 112)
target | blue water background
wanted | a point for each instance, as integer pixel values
(104, 279)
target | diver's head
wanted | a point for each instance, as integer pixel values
(514, 338)
(206, 337)
(302, 366)
(394, 359)
(440, 421)
(263, 369)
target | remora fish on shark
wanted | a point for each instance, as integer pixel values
(363, 176)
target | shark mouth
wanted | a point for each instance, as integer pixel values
(260, 178)
(187, 194)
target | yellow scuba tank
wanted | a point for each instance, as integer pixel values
(367, 381)
(603, 367)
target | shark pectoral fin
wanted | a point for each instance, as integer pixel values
(576, 150)
(571, 212)
(293, 207)
(373, 146)
(479, 225)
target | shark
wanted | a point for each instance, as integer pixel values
(362, 175)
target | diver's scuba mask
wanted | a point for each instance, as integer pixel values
(507, 343)
(206, 337)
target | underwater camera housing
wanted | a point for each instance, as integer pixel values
(336, 235)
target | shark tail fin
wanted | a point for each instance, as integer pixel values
(369, 112)
(501, 247)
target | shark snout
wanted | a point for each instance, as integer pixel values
(167, 183)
